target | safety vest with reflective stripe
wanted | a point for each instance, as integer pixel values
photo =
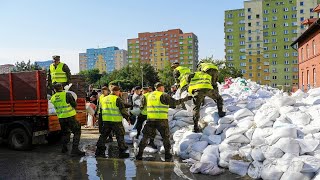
(200, 80)
(144, 110)
(57, 74)
(110, 110)
(204, 67)
(63, 109)
(100, 100)
(155, 109)
(184, 80)
(183, 70)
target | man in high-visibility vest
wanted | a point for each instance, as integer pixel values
(200, 86)
(157, 113)
(65, 105)
(113, 111)
(179, 72)
(210, 69)
(58, 73)
(105, 92)
(143, 116)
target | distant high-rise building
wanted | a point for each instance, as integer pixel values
(120, 59)
(258, 38)
(101, 58)
(159, 48)
(44, 64)
(6, 68)
(82, 61)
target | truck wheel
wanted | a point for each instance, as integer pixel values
(19, 139)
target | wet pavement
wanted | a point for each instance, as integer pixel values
(46, 162)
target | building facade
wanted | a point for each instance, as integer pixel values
(6, 68)
(83, 61)
(258, 38)
(309, 54)
(44, 64)
(100, 58)
(120, 59)
(161, 48)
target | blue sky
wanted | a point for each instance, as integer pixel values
(38, 29)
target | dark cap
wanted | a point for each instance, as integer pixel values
(56, 57)
(145, 88)
(137, 88)
(175, 64)
(158, 84)
(115, 88)
(57, 86)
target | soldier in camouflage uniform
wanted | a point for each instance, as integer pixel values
(157, 112)
(212, 70)
(113, 111)
(65, 105)
(200, 87)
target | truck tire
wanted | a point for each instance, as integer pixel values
(19, 139)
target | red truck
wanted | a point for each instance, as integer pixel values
(24, 118)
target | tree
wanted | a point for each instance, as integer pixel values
(91, 76)
(224, 71)
(166, 76)
(22, 66)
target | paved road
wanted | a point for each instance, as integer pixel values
(46, 162)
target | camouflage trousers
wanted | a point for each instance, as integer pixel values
(67, 125)
(100, 124)
(149, 131)
(141, 119)
(118, 129)
(198, 99)
(214, 78)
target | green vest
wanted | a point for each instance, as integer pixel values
(57, 74)
(144, 110)
(200, 80)
(183, 70)
(184, 80)
(204, 67)
(110, 110)
(63, 109)
(155, 109)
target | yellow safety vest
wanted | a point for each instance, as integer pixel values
(144, 110)
(63, 109)
(110, 110)
(100, 101)
(200, 80)
(184, 80)
(57, 74)
(206, 66)
(183, 70)
(155, 109)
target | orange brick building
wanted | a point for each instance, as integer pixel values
(309, 54)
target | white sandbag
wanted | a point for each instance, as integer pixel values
(235, 131)
(214, 139)
(133, 133)
(195, 155)
(299, 118)
(287, 109)
(290, 175)
(135, 111)
(257, 154)
(183, 113)
(270, 171)
(265, 117)
(288, 145)
(126, 125)
(209, 130)
(150, 150)
(242, 113)
(89, 109)
(271, 152)
(181, 124)
(245, 152)
(172, 112)
(308, 145)
(245, 123)
(225, 158)
(211, 118)
(175, 129)
(74, 95)
(199, 146)
(222, 127)
(285, 161)
(209, 158)
(314, 92)
(238, 167)
(206, 168)
(239, 138)
(210, 110)
(309, 164)
(226, 119)
(191, 135)
(229, 147)
(284, 101)
(177, 136)
(185, 144)
(282, 132)
(249, 133)
(212, 150)
(172, 123)
(233, 108)
(188, 120)
(255, 169)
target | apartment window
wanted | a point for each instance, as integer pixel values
(295, 69)
(295, 31)
(274, 18)
(249, 31)
(294, 16)
(301, 3)
(242, 50)
(257, 16)
(243, 57)
(286, 46)
(242, 28)
(250, 67)
(266, 40)
(249, 38)
(258, 23)
(266, 12)
(249, 9)
(285, 17)
(294, 61)
(258, 45)
(258, 52)
(274, 40)
(314, 47)
(308, 51)
(242, 43)
(250, 60)
(250, 45)
(286, 77)
(302, 18)
(301, 11)
(275, 47)
(243, 71)
(286, 69)
(249, 17)
(250, 74)
(249, 24)
(265, 19)
(285, 9)
(274, 63)
(274, 25)
(286, 32)
(258, 60)
(274, 77)
(273, 33)
(295, 54)
(241, 35)
(294, 23)
(266, 78)
(286, 55)
(266, 55)
(286, 39)
(274, 10)
(243, 64)
(286, 24)
(294, 8)
(314, 76)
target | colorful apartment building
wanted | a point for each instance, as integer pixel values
(160, 48)
(6, 68)
(258, 38)
(44, 64)
(104, 59)
(309, 53)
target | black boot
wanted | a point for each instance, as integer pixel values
(123, 154)
(139, 155)
(76, 152)
(168, 156)
(100, 152)
(64, 149)
(221, 113)
(196, 129)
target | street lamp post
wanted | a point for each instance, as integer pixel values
(141, 67)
